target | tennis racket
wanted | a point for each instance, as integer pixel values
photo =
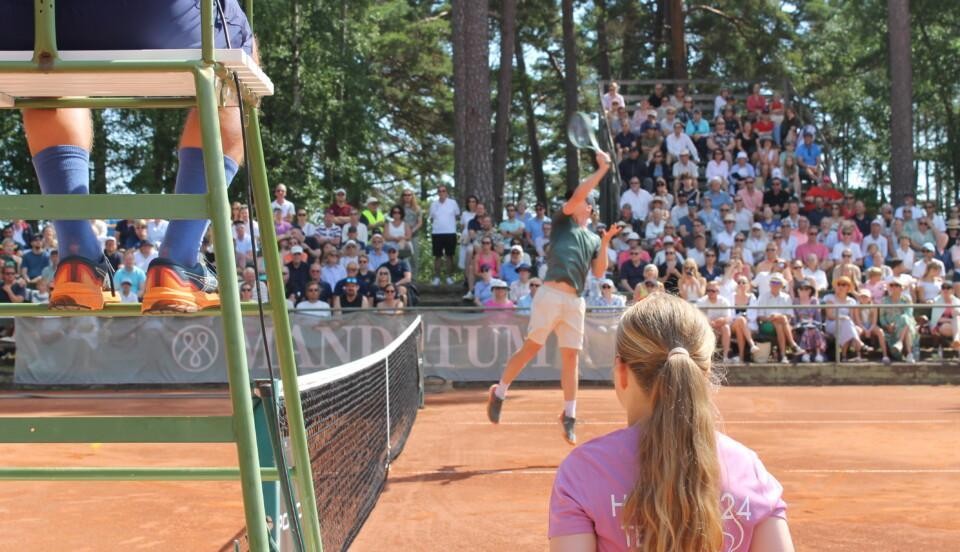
(580, 132)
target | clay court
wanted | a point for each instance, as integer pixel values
(864, 468)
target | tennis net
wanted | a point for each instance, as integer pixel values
(357, 417)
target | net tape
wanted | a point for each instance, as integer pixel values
(351, 413)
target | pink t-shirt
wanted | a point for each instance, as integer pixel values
(593, 483)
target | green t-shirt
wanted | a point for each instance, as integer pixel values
(572, 250)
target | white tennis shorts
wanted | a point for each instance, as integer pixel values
(556, 311)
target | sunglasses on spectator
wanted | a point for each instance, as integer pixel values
(841, 284)
(246, 289)
(534, 285)
(712, 290)
(485, 242)
(313, 290)
(606, 286)
(739, 240)
(407, 194)
(708, 255)
(389, 290)
(301, 214)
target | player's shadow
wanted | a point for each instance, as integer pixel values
(452, 474)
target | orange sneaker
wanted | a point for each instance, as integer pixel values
(174, 288)
(78, 285)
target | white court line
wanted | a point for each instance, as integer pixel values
(863, 471)
(732, 422)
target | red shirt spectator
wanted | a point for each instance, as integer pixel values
(824, 190)
(340, 208)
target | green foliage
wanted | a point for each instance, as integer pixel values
(364, 89)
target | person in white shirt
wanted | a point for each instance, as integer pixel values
(920, 266)
(909, 202)
(757, 241)
(685, 165)
(811, 270)
(612, 95)
(312, 305)
(354, 222)
(875, 236)
(242, 244)
(743, 215)
(720, 319)
(146, 253)
(775, 321)
(156, 229)
(678, 141)
(287, 209)
(126, 292)
(934, 218)
(725, 240)
(443, 218)
(638, 198)
(846, 243)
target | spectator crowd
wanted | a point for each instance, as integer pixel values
(733, 210)
(736, 212)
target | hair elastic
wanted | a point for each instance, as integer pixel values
(677, 351)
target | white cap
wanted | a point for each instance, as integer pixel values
(742, 155)
(339, 191)
(296, 249)
(516, 248)
(757, 226)
(350, 242)
(372, 199)
(497, 283)
(633, 236)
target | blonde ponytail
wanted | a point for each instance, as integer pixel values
(675, 504)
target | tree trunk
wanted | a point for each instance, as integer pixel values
(98, 155)
(630, 49)
(501, 137)
(603, 45)
(459, 101)
(477, 159)
(901, 100)
(570, 83)
(678, 41)
(536, 158)
(658, 24)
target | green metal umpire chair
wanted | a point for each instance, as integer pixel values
(204, 78)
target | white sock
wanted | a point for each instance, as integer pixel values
(501, 390)
(570, 408)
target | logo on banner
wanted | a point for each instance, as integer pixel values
(195, 348)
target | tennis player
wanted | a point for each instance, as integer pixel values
(558, 306)
(60, 141)
(668, 481)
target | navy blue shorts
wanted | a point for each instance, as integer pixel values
(124, 25)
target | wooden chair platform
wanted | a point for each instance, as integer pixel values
(150, 84)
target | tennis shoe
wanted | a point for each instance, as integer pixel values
(819, 358)
(909, 358)
(450, 280)
(494, 405)
(805, 357)
(173, 288)
(435, 282)
(78, 285)
(568, 426)
(886, 361)
(754, 349)
(734, 360)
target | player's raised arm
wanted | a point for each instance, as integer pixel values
(579, 197)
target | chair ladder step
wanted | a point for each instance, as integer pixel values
(117, 429)
(100, 206)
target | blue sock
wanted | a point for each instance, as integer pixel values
(66, 170)
(181, 244)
